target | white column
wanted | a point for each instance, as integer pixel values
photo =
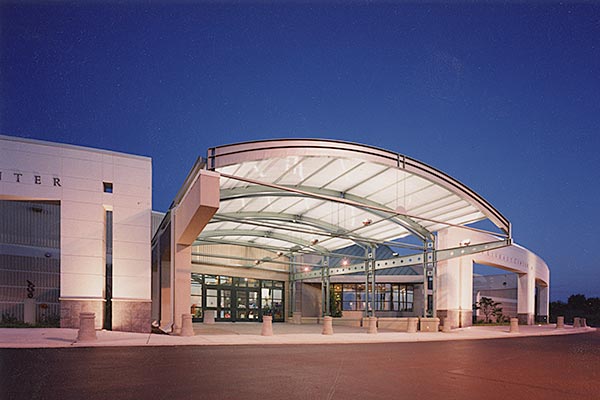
(543, 301)
(526, 297)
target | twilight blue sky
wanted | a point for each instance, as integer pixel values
(504, 97)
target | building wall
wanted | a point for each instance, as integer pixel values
(36, 170)
(501, 288)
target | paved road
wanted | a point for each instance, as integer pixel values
(556, 367)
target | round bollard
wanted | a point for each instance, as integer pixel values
(514, 325)
(87, 327)
(446, 327)
(267, 326)
(297, 318)
(412, 325)
(576, 322)
(186, 325)
(327, 326)
(209, 317)
(372, 325)
(583, 322)
(560, 322)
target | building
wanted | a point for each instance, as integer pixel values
(75, 231)
(293, 228)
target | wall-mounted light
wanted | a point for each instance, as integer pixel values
(256, 262)
(465, 242)
(345, 262)
(395, 254)
(48, 255)
(314, 241)
(279, 253)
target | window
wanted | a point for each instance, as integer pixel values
(108, 187)
(388, 297)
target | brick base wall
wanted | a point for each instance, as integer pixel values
(131, 315)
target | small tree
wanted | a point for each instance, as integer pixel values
(488, 307)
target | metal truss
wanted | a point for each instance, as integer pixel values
(410, 260)
(267, 189)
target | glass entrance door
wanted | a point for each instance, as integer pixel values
(247, 302)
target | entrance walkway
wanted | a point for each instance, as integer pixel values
(248, 333)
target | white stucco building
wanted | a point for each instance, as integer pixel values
(297, 229)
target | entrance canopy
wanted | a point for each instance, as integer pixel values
(319, 196)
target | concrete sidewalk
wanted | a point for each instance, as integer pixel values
(249, 334)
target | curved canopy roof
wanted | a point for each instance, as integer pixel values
(322, 196)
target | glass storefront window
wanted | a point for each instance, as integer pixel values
(225, 280)
(388, 297)
(237, 299)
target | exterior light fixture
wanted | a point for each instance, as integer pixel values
(306, 269)
(395, 254)
(345, 262)
(314, 241)
(367, 222)
(279, 253)
(256, 262)
(465, 242)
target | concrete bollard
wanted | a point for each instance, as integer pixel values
(372, 325)
(267, 326)
(327, 326)
(430, 324)
(412, 325)
(209, 317)
(186, 325)
(576, 322)
(297, 318)
(87, 327)
(560, 322)
(446, 325)
(514, 325)
(583, 322)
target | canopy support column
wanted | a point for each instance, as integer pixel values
(325, 289)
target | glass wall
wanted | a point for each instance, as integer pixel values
(388, 296)
(30, 259)
(236, 299)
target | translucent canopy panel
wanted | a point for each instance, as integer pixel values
(319, 195)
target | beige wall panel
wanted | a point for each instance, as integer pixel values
(74, 246)
(82, 211)
(132, 287)
(71, 228)
(130, 251)
(131, 216)
(82, 264)
(132, 176)
(92, 185)
(82, 196)
(81, 154)
(79, 168)
(133, 202)
(28, 161)
(82, 285)
(131, 234)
